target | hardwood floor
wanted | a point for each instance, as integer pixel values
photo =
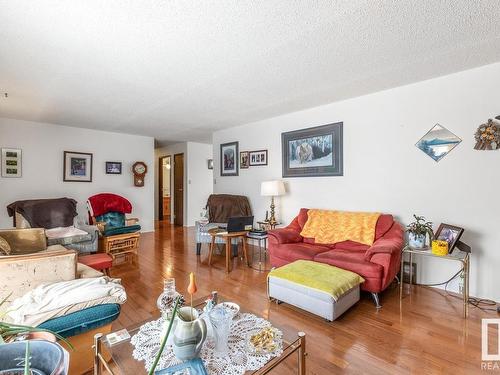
(425, 334)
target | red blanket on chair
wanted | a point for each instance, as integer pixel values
(100, 204)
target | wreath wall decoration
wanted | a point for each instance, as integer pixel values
(488, 136)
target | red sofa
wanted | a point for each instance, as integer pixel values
(377, 264)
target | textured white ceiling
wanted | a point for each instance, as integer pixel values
(178, 70)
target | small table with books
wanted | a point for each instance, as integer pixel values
(122, 352)
(259, 263)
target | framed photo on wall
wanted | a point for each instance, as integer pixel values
(113, 167)
(229, 159)
(77, 166)
(11, 162)
(258, 158)
(244, 161)
(313, 152)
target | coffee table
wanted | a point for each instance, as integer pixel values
(122, 362)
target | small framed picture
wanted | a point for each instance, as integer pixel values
(257, 158)
(450, 234)
(229, 159)
(77, 167)
(244, 160)
(113, 167)
(11, 162)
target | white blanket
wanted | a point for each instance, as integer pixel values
(48, 301)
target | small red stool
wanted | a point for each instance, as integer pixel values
(100, 261)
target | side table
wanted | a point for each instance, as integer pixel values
(227, 236)
(262, 246)
(457, 255)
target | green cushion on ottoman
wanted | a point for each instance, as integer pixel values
(84, 320)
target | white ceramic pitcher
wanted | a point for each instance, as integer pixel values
(189, 335)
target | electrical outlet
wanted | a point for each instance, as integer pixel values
(461, 283)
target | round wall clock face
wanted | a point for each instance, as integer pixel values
(140, 168)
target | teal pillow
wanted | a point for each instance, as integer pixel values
(112, 219)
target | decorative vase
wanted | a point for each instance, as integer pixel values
(220, 319)
(416, 241)
(189, 335)
(166, 300)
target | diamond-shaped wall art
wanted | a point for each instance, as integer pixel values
(438, 142)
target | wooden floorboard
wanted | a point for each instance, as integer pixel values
(423, 334)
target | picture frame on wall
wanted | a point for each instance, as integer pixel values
(12, 162)
(229, 159)
(450, 234)
(244, 160)
(313, 152)
(77, 166)
(113, 167)
(257, 158)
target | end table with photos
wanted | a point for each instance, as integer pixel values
(134, 353)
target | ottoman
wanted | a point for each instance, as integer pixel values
(321, 289)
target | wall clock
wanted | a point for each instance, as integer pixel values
(139, 169)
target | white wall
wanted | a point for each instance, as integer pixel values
(42, 153)
(197, 177)
(384, 171)
(200, 179)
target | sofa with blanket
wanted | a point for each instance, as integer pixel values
(49, 289)
(377, 263)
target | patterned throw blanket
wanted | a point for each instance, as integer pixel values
(330, 227)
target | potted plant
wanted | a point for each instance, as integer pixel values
(46, 356)
(418, 232)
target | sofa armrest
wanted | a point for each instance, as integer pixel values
(284, 235)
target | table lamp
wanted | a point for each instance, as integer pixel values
(272, 189)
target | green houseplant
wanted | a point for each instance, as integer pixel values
(418, 232)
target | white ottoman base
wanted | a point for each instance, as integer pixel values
(312, 300)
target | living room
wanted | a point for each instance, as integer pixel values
(249, 187)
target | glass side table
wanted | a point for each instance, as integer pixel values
(260, 265)
(463, 257)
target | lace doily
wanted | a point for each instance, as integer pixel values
(239, 360)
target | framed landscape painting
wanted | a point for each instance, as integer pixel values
(77, 166)
(313, 152)
(11, 162)
(229, 159)
(438, 142)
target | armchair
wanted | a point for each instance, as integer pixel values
(220, 208)
(118, 235)
(59, 218)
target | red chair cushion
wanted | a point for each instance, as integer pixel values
(98, 262)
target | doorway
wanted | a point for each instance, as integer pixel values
(164, 188)
(179, 189)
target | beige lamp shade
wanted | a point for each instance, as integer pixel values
(272, 188)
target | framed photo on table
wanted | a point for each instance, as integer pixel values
(11, 162)
(77, 167)
(450, 234)
(229, 159)
(313, 152)
(258, 158)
